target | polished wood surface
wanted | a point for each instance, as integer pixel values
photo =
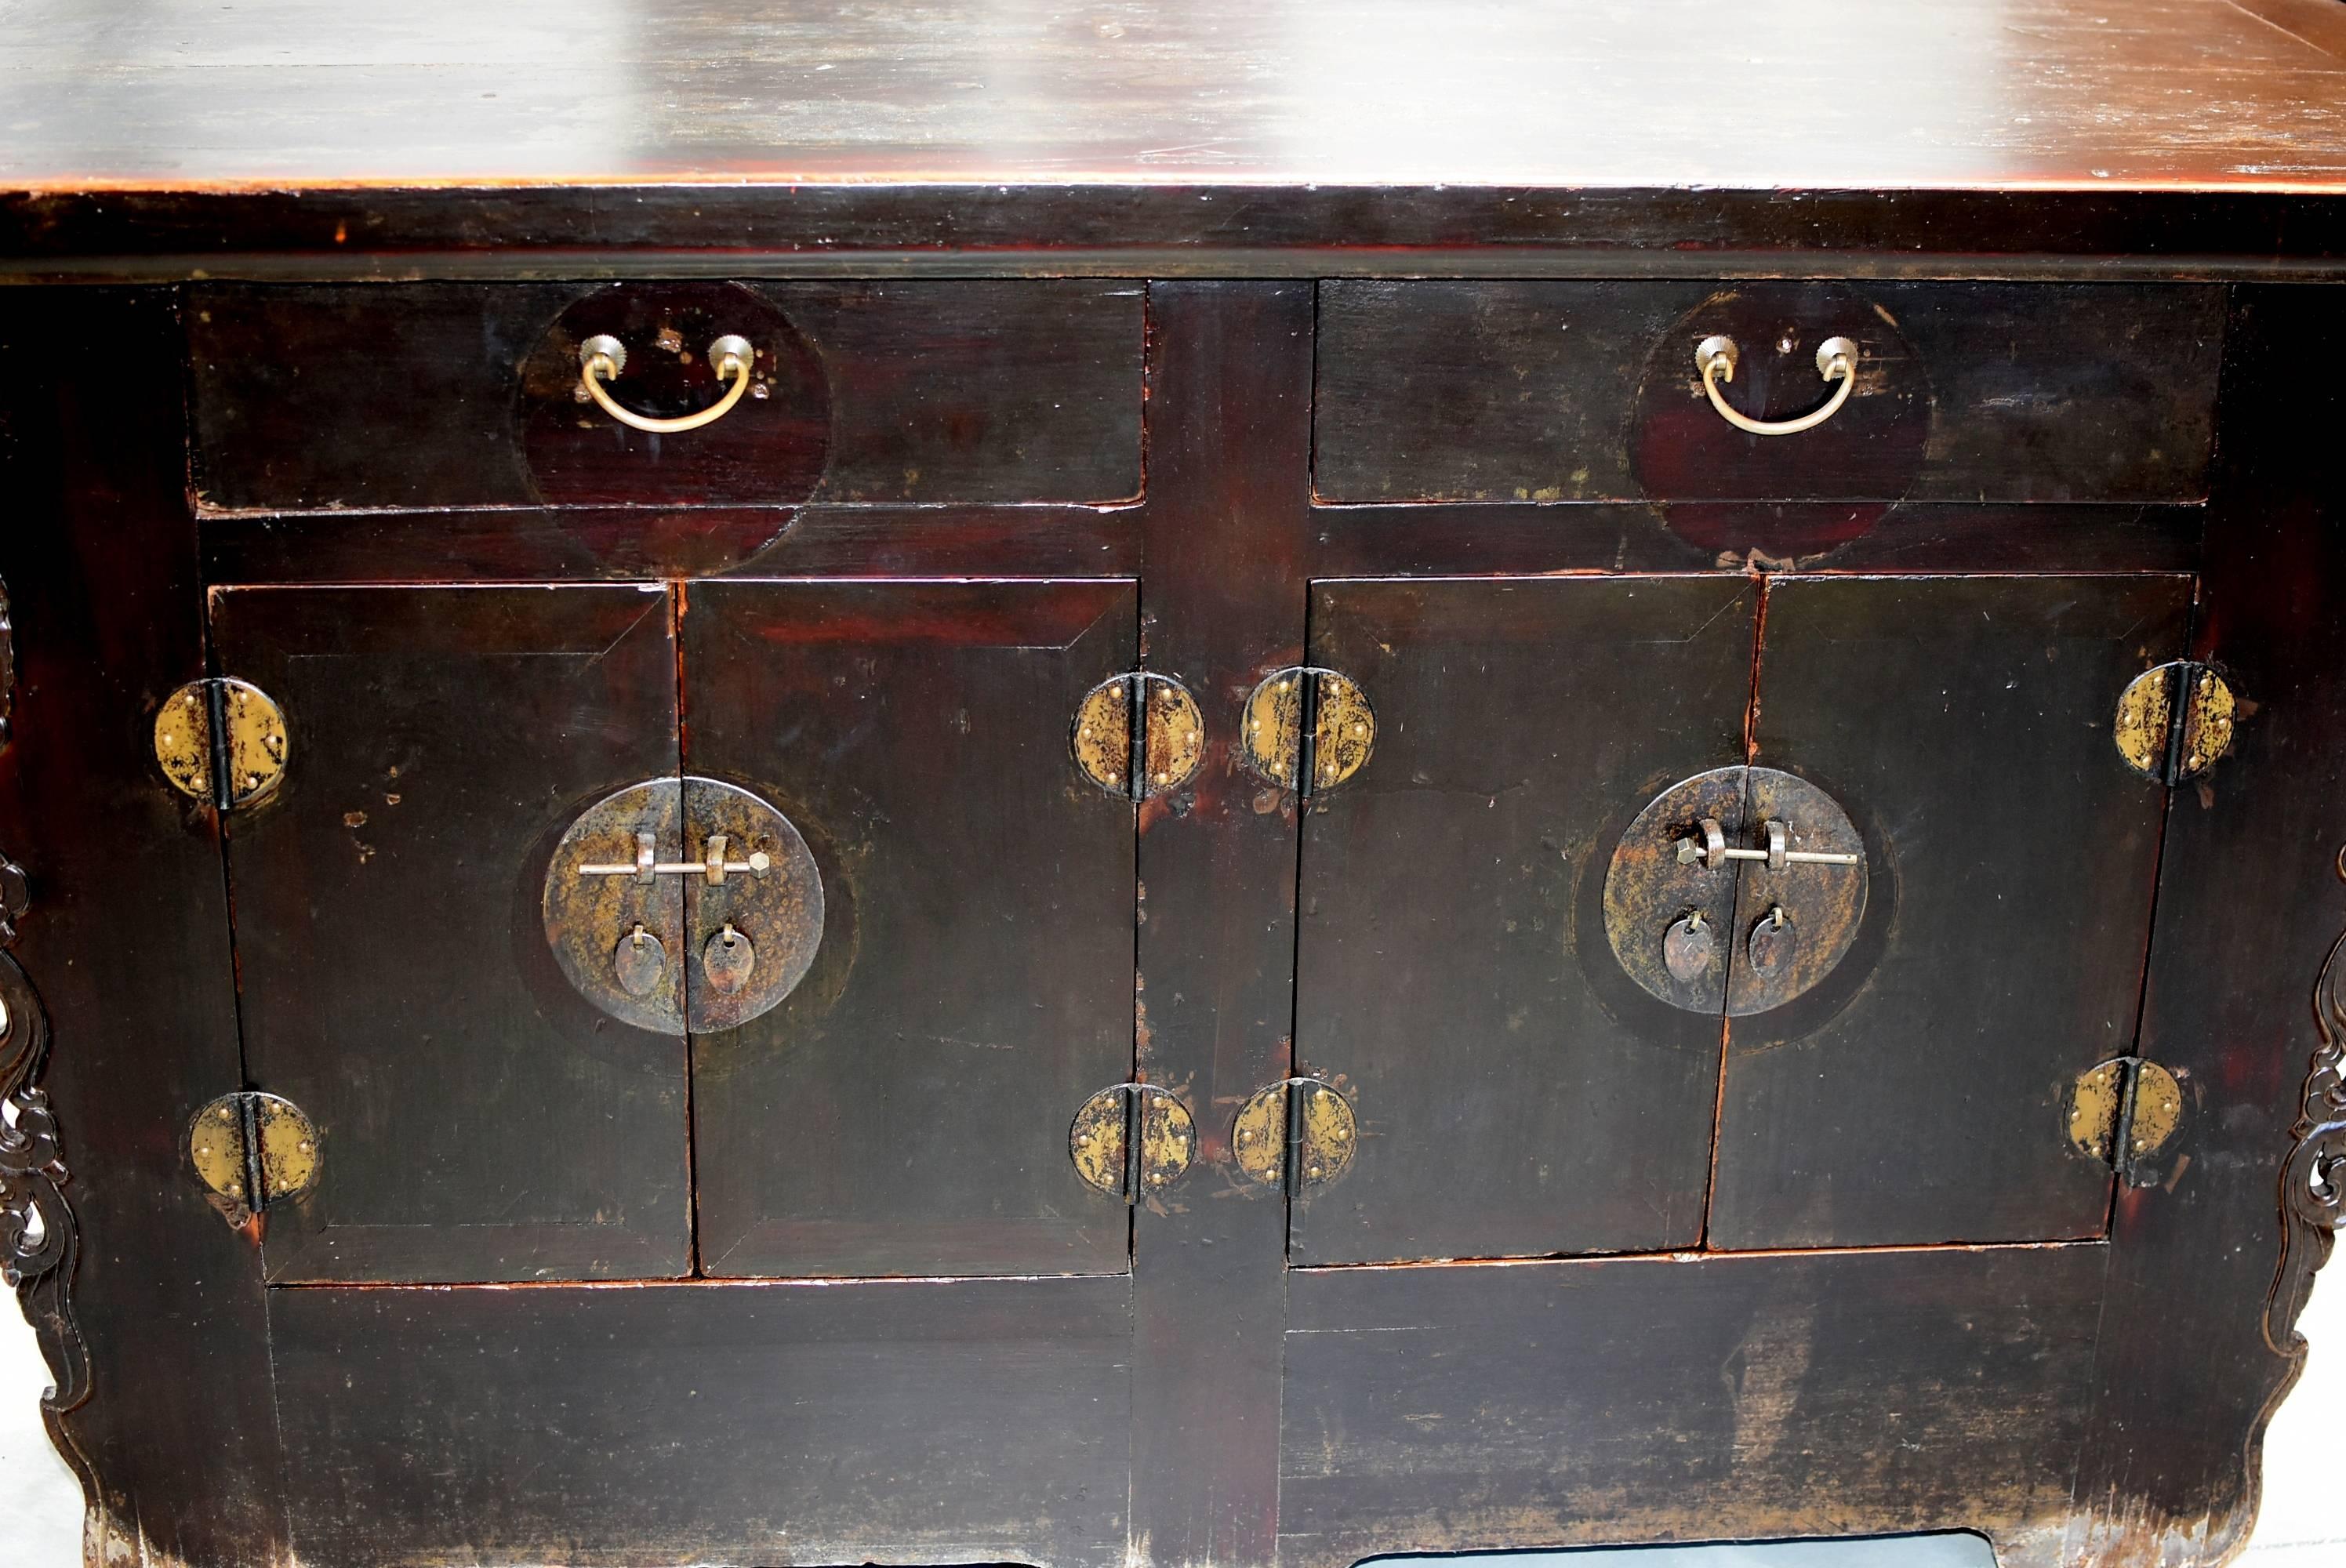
(1808, 93)
(190, 128)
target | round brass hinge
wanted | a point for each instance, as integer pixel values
(1308, 728)
(251, 1150)
(1131, 1140)
(1138, 751)
(2123, 1112)
(1300, 1131)
(2174, 721)
(221, 742)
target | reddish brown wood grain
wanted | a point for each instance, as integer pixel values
(189, 136)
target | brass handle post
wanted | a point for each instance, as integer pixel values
(602, 357)
(1836, 362)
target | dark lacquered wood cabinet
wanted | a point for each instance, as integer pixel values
(953, 787)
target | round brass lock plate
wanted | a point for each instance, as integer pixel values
(239, 1137)
(1172, 736)
(1659, 908)
(1099, 1141)
(249, 752)
(1309, 1116)
(1735, 891)
(1343, 728)
(686, 862)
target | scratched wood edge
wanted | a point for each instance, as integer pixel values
(1163, 262)
(1330, 259)
(957, 228)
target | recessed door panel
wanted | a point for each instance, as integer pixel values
(1918, 1093)
(480, 1121)
(1516, 1092)
(905, 1110)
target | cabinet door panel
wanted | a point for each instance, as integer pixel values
(481, 1122)
(905, 1111)
(1518, 1094)
(1919, 1095)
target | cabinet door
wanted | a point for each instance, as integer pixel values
(1919, 1094)
(1516, 1093)
(905, 1109)
(480, 1121)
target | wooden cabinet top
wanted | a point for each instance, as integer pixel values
(2192, 127)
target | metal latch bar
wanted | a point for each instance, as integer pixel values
(1708, 847)
(648, 864)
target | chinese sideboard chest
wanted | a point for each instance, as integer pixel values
(1100, 787)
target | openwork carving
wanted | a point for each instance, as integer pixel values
(39, 1243)
(2313, 1182)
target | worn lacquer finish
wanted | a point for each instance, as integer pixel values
(1295, 1122)
(1206, 124)
(396, 983)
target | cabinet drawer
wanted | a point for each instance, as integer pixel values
(427, 395)
(1432, 390)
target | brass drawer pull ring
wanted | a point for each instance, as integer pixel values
(1836, 362)
(602, 357)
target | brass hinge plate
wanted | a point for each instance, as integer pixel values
(2125, 1114)
(1132, 1140)
(1300, 1132)
(1139, 735)
(2174, 721)
(252, 1150)
(1309, 729)
(221, 741)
